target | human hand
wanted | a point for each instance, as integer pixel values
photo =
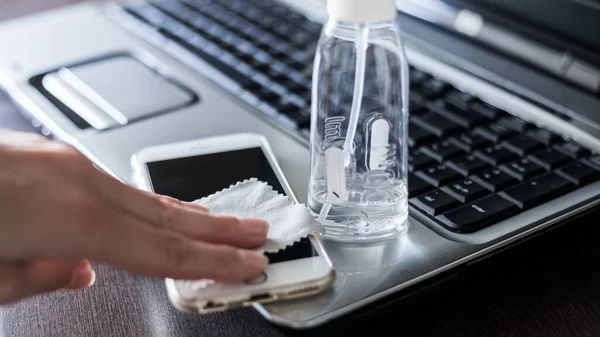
(58, 212)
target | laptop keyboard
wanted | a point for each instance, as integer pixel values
(471, 164)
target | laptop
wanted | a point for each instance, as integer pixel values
(504, 127)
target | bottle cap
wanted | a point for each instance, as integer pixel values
(361, 11)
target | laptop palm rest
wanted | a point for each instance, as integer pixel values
(116, 91)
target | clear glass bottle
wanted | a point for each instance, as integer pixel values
(359, 126)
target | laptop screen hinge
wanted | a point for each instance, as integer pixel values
(471, 24)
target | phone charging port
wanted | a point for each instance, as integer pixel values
(261, 298)
(214, 307)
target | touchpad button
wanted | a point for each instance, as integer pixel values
(115, 91)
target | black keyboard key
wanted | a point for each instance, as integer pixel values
(149, 14)
(435, 202)
(494, 133)
(310, 26)
(549, 158)
(294, 64)
(494, 180)
(487, 110)
(522, 169)
(571, 149)
(537, 191)
(417, 109)
(465, 190)
(437, 86)
(436, 124)
(459, 99)
(464, 118)
(514, 123)
(495, 155)
(441, 151)
(467, 165)
(422, 95)
(417, 186)
(287, 108)
(418, 136)
(267, 95)
(174, 9)
(438, 175)
(302, 120)
(478, 214)
(522, 144)
(305, 133)
(299, 38)
(284, 80)
(417, 161)
(593, 161)
(579, 173)
(544, 136)
(227, 70)
(418, 77)
(281, 11)
(469, 141)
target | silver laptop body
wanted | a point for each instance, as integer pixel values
(200, 101)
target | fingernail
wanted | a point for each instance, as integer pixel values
(81, 278)
(254, 226)
(92, 279)
(254, 259)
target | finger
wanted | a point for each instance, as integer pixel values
(189, 219)
(243, 233)
(83, 276)
(152, 251)
(19, 281)
(217, 229)
(171, 215)
(192, 205)
(21, 138)
(134, 200)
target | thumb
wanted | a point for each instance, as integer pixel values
(19, 281)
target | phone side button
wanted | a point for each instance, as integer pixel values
(259, 280)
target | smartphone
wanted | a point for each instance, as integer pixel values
(192, 170)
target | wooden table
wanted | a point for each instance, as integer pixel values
(548, 287)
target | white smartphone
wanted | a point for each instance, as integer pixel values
(191, 170)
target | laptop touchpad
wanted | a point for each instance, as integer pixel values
(115, 92)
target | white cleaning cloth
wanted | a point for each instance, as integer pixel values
(288, 221)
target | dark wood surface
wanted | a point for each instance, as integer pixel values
(549, 286)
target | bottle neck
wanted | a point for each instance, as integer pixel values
(361, 10)
(349, 30)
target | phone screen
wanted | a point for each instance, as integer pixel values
(195, 177)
